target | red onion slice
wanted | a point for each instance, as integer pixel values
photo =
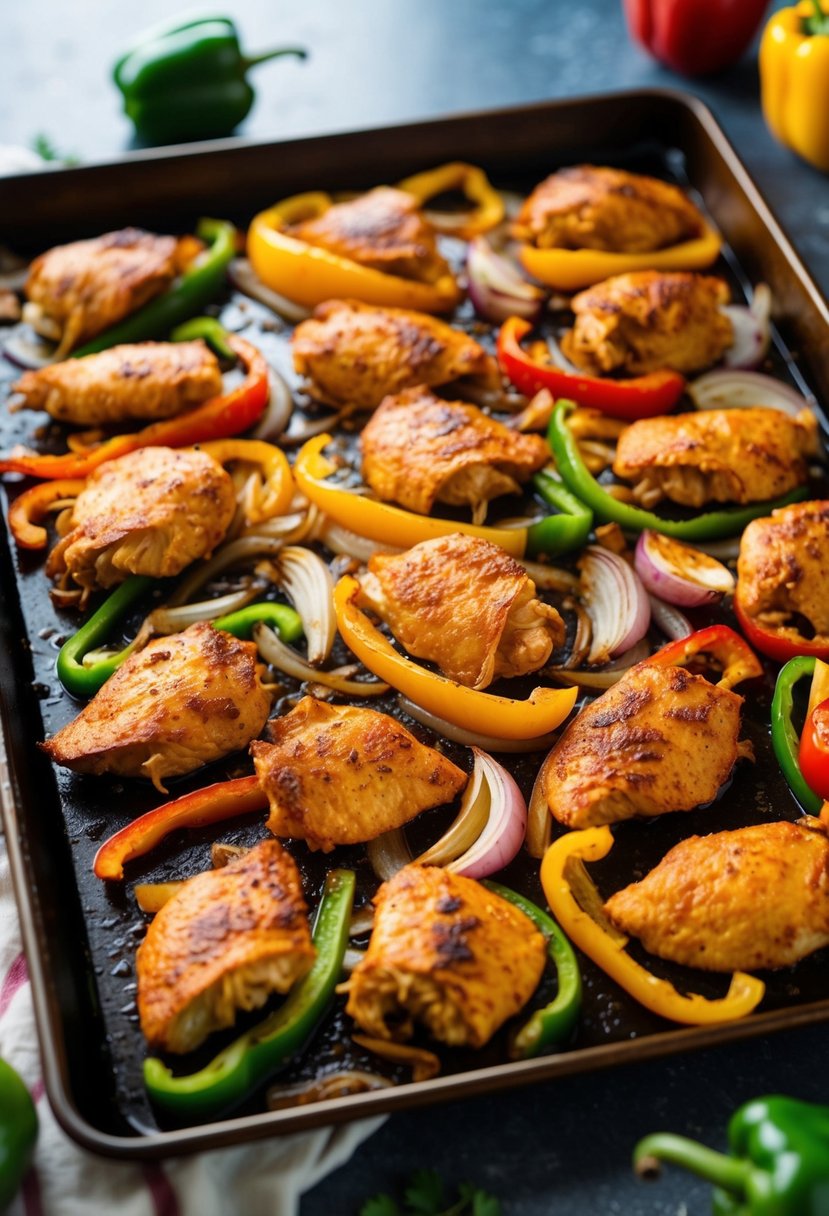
(752, 332)
(26, 349)
(616, 602)
(734, 389)
(497, 288)
(680, 574)
(503, 833)
(669, 620)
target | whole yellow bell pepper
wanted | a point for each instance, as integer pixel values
(794, 79)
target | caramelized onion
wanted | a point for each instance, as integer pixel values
(388, 853)
(274, 651)
(680, 574)
(616, 602)
(496, 286)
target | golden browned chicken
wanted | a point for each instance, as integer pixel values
(447, 953)
(150, 512)
(783, 572)
(593, 207)
(179, 703)
(419, 449)
(465, 604)
(341, 774)
(225, 941)
(382, 229)
(355, 354)
(126, 383)
(734, 901)
(742, 455)
(660, 740)
(648, 320)
(76, 291)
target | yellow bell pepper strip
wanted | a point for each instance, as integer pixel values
(729, 652)
(481, 712)
(309, 274)
(606, 947)
(794, 80)
(572, 269)
(488, 210)
(228, 414)
(34, 505)
(278, 488)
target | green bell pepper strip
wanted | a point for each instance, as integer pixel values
(784, 737)
(252, 1058)
(197, 286)
(710, 526)
(188, 80)
(18, 1132)
(554, 1023)
(562, 532)
(778, 1163)
(211, 330)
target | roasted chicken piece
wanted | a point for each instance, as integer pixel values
(741, 455)
(126, 383)
(341, 774)
(76, 291)
(592, 207)
(179, 703)
(783, 572)
(465, 604)
(382, 229)
(355, 354)
(660, 740)
(647, 320)
(150, 512)
(224, 942)
(419, 449)
(734, 901)
(447, 953)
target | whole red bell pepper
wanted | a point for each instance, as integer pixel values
(694, 37)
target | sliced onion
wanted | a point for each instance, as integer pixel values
(26, 349)
(467, 825)
(550, 578)
(349, 544)
(172, 620)
(609, 675)
(243, 549)
(244, 279)
(308, 583)
(539, 818)
(274, 651)
(424, 1064)
(362, 921)
(457, 734)
(560, 359)
(680, 574)
(278, 411)
(616, 601)
(352, 958)
(752, 332)
(496, 286)
(735, 389)
(388, 853)
(506, 823)
(320, 1089)
(669, 620)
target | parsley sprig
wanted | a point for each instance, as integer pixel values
(424, 1195)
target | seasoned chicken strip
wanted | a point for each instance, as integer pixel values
(76, 291)
(419, 449)
(382, 229)
(660, 740)
(150, 512)
(126, 383)
(341, 774)
(742, 455)
(593, 207)
(734, 901)
(647, 320)
(447, 953)
(783, 572)
(179, 703)
(355, 354)
(465, 604)
(224, 942)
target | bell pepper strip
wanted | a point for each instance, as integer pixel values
(213, 804)
(201, 282)
(34, 505)
(777, 1163)
(607, 949)
(309, 274)
(554, 1024)
(218, 418)
(285, 620)
(481, 712)
(211, 331)
(641, 397)
(733, 657)
(250, 1060)
(571, 269)
(18, 1132)
(784, 736)
(782, 643)
(278, 484)
(567, 530)
(488, 209)
(814, 750)
(712, 525)
(794, 80)
(81, 681)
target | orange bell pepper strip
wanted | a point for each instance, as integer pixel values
(488, 209)
(474, 711)
(572, 269)
(33, 505)
(278, 487)
(309, 274)
(228, 414)
(562, 865)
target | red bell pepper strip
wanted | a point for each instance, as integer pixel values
(641, 397)
(778, 644)
(694, 37)
(33, 504)
(814, 750)
(219, 418)
(718, 642)
(215, 803)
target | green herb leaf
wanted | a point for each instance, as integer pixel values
(424, 1194)
(380, 1205)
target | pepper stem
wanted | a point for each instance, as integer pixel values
(818, 21)
(722, 1170)
(250, 61)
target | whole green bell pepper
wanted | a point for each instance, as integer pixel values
(189, 81)
(18, 1132)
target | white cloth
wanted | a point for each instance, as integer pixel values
(265, 1178)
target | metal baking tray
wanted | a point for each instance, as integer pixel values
(80, 935)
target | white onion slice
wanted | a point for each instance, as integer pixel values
(680, 574)
(308, 583)
(496, 286)
(239, 550)
(669, 620)
(550, 578)
(388, 853)
(616, 602)
(26, 349)
(244, 279)
(171, 620)
(349, 544)
(467, 825)
(471, 738)
(736, 389)
(274, 651)
(278, 411)
(560, 359)
(506, 823)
